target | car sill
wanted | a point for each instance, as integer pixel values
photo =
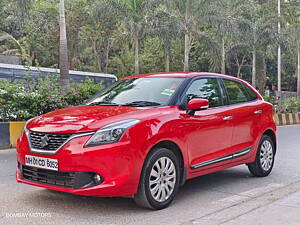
(223, 158)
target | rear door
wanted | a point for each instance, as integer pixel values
(245, 110)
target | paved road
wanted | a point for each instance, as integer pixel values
(228, 197)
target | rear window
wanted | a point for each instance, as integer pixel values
(251, 95)
(235, 91)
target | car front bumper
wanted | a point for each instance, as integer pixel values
(118, 164)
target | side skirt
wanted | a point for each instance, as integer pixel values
(223, 158)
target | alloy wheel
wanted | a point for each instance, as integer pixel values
(266, 155)
(162, 179)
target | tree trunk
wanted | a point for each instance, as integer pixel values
(223, 65)
(238, 75)
(298, 72)
(254, 68)
(167, 58)
(136, 57)
(186, 36)
(98, 58)
(261, 72)
(73, 55)
(107, 56)
(63, 49)
(186, 52)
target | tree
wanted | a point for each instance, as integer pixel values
(258, 31)
(19, 49)
(193, 16)
(63, 48)
(100, 33)
(292, 15)
(166, 28)
(222, 18)
(133, 14)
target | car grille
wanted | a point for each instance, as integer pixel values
(53, 141)
(63, 179)
(72, 180)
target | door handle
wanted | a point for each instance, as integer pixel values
(258, 112)
(227, 118)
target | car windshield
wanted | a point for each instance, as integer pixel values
(146, 91)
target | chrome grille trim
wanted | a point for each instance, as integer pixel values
(54, 150)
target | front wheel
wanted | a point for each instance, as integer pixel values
(264, 160)
(159, 180)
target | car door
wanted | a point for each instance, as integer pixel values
(208, 132)
(245, 109)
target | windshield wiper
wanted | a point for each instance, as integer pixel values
(141, 104)
(103, 103)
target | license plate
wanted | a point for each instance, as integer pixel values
(40, 162)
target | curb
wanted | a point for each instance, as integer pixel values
(9, 133)
(287, 119)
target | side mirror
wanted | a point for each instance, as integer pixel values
(196, 104)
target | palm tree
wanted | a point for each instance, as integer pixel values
(222, 17)
(24, 7)
(258, 33)
(18, 49)
(193, 15)
(133, 13)
(293, 34)
(166, 28)
(63, 48)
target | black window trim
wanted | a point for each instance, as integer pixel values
(181, 99)
(227, 97)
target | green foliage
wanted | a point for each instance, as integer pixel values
(20, 101)
(291, 105)
(152, 56)
(101, 35)
(78, 93)
(271, 99)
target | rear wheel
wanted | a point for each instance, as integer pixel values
(159, 181)
(264, 160)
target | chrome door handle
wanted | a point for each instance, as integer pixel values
(227, 118)
(258, 112)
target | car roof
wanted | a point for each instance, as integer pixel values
(179, 74)
(193, 74)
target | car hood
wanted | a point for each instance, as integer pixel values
(79, 119)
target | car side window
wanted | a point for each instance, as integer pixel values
(235, 91)
(251, 95)
(206, 88)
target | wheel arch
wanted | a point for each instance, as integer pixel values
(272, 135)
(177, 151)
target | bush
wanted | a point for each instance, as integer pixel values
(23, 100)
(290, 105)
(271, 99)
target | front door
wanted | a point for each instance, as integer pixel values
(209, 132)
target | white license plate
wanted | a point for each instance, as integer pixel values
(40, 162)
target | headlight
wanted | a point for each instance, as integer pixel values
(111, 133)
(25, 126)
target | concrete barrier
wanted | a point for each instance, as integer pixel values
(287, 119)
(9, 133)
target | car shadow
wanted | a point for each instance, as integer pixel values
(194, 188)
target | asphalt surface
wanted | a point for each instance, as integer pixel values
(231, 196)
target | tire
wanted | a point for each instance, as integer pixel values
(162, 178)
(265, 156)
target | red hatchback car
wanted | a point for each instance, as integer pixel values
(144, 136)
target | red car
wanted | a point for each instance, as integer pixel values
(144, 136)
